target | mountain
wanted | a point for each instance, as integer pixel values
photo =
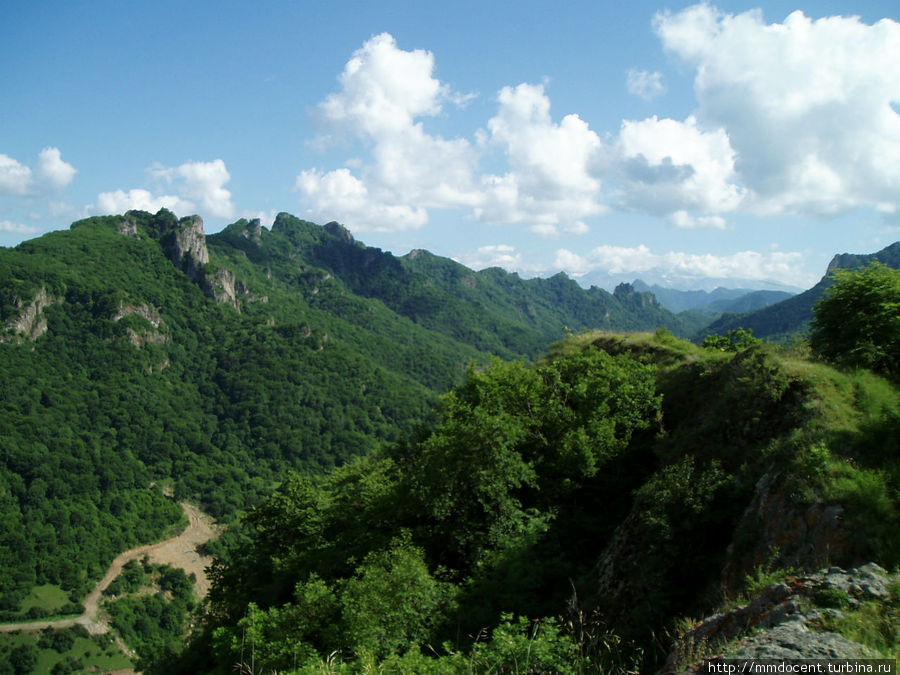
(662, 278)
(717, 301)
(491, 310)
(135, 350)
(793, 315)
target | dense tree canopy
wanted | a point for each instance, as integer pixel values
(857, 322)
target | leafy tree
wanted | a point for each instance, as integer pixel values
(733, 341)
(857, 322)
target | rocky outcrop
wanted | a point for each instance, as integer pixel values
(336, 229)
(186, 246)
(128, 227)
(801, 534)
(793, 619)
(139, 338)
(30, 323)
(253, 231)
(222, 287)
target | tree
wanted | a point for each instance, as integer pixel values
(857, 322)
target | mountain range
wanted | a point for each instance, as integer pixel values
(403, 424)
(791, 317)
(135, 349)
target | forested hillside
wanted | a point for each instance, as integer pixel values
(135, 352)
(566, 516)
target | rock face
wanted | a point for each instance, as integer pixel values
(222, 287)
(128, 227)
(253, 231)
(31, 323)
(186, 246)
(786, 620)
(149, 314)
(806, 536)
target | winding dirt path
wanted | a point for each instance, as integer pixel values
(179, 551)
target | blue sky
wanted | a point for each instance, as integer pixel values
(667, 141)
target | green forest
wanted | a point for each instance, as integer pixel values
(421, 468)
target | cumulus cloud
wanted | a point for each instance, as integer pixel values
(53, 170)
(199, 187)
(686, 220)
(497, 255)
(644, 84)
(120, 201)
(52, 173)
(669, 166)
(201, 182)
(550, 182)
(807, 105)
(15, 178)
(799, 117)
(17, 228)
(384, 94)
(627, 260)
(343, 196)
(384, 90)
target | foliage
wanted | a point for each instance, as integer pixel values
(857, 322)
(326, 350)
(151, 615)
(430, 541)
(733, 341)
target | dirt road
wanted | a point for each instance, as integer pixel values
(179, 551)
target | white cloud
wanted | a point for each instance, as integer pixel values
(15, 178)
(18, 228)
(549, 230)
(798, 117)
(120, 201)
(199, 187)
(686, 220)
(265, 218)
(384, 90)
(742, 265)
(669, 166)
(550, 181)
(806, 104)
(495, 255)
(52, 170)
(52, 173)
(644, 84)
(339, 195)
(545, 230)
(202, 182)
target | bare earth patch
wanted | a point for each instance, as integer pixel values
(179, 551)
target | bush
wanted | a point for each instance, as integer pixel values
(857, 322)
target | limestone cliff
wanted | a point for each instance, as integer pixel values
(30, 323)
(186, 246)
(151, 334)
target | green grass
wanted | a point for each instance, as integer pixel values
(48, 598)
(873, 624)
(98, 653)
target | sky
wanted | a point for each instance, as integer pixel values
(689, 144)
